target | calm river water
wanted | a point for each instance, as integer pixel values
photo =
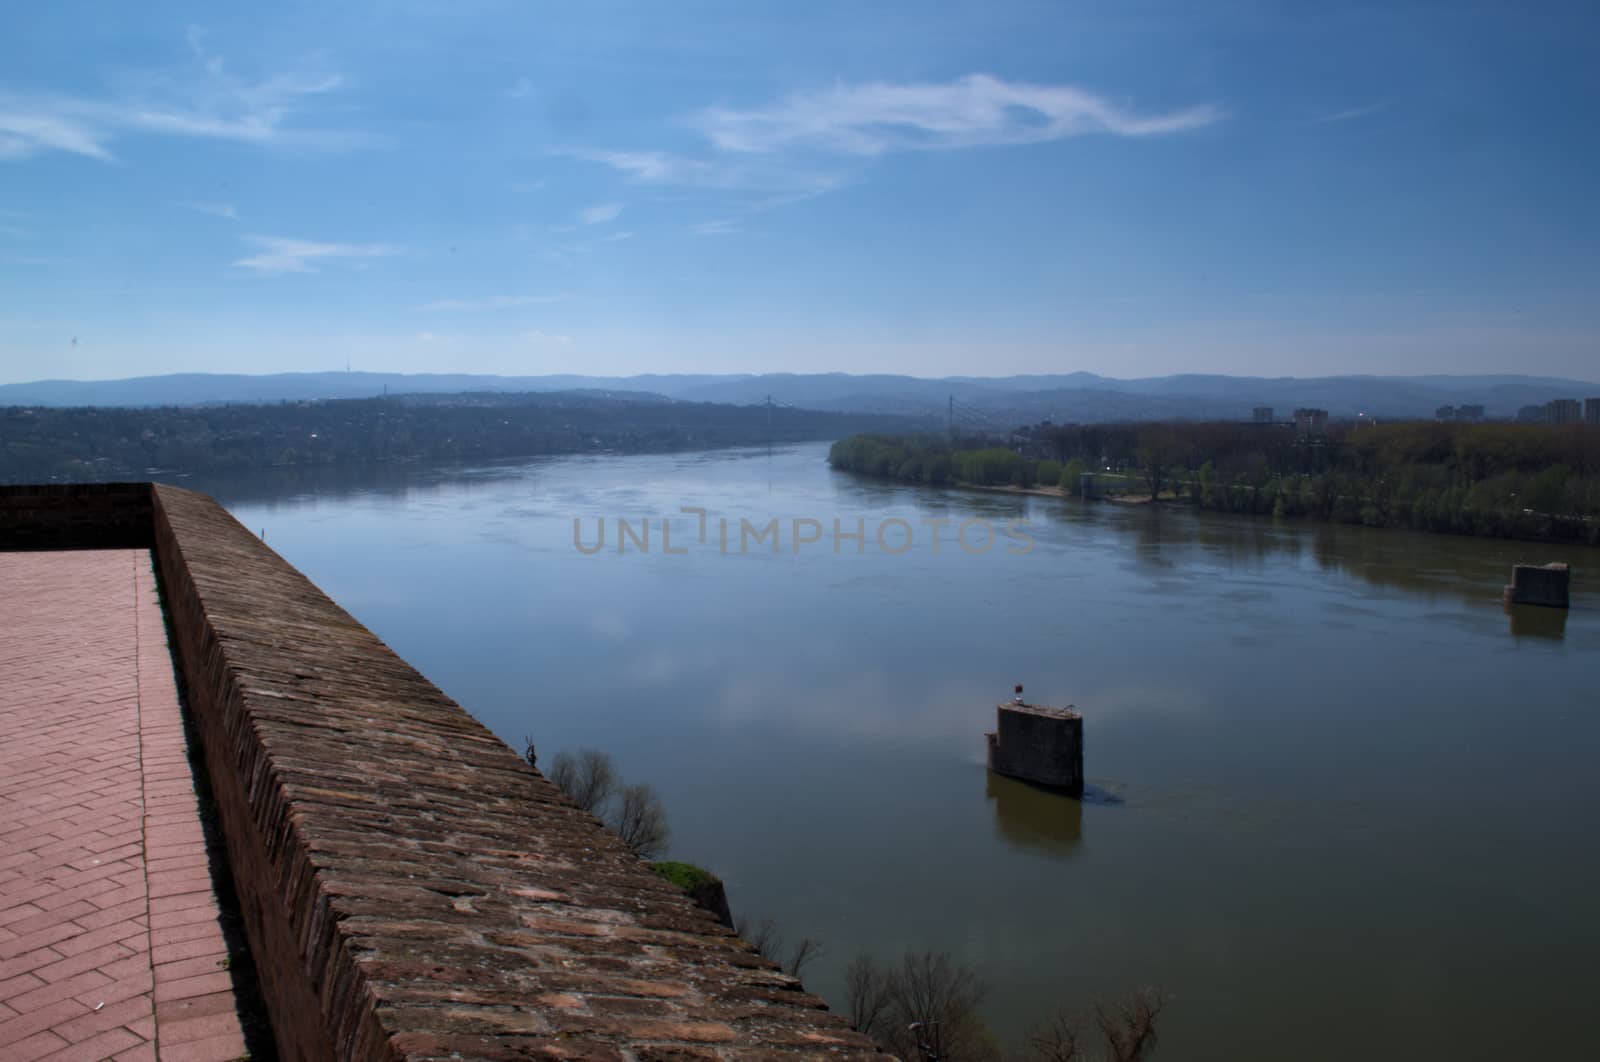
(1344, 804)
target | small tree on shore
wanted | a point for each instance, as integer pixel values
(1126, 1029)
(926, 1007)
(588, 779)
(1072, 476)
(640, 820)
(633, 812)
(767, 939)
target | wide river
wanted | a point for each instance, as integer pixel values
(1343, 804)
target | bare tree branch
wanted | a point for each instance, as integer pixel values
(934, 1006)
(641, 821)
(801, 955)
(1129, 1026)
(867, 990)
(765, 936)
(1058, 1038)
(588, 779)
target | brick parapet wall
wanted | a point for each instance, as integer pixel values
(76, 516)
(411, 889)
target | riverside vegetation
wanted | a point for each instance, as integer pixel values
(1536, 482)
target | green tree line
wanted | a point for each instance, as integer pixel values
(43, 444)
(1526, 481)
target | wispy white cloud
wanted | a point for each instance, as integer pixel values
(210, 103)
(27, 128)
(492, 302)
(807, 144)
(719, 227)
(1350, 113)
(756, 184)
(196, 38)
(616, 237)
(656, 167)
(973, 111)
(521, 89)
(536, 336)
(280, 254)
(219, 210)
(600, 213)
(744, 175)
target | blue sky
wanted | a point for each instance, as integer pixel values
(1128, 188)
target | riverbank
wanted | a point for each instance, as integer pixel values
(1060, 492)
(1178, 498)
(1524, 482)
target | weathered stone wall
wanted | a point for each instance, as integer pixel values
(411, 888)
(75, 516)
(1038, 744)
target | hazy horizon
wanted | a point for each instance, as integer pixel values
(996, 189)
(977, 378)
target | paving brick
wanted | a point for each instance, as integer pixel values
(191, 1007)
(200, 947)
(95, 939)
(27, 1023)
(19, 912)
(93, 959)
(93, 760)
(183, 901)
(189, 916)
(136, 965)
(66, 988)
(124, 910)
(16, 986)
(62, 912)
(125, 987)
(186, 987)
(107, 1017)
(39, 938)
(212, 1049)
(102, 1046)
(201, 1027)
(204, 964)
(34, 1047)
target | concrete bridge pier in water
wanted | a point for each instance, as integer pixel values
(1534, 584)
(1038, 744)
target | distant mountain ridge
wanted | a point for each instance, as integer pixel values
(1075, 396)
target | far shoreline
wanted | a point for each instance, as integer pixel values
(1012, 488)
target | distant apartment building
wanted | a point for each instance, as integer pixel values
(1311, 421)
(1261, 415)
(1563, 411)
(1532, 415)
(1445, 413)
(1591, 410)
(1469, 413)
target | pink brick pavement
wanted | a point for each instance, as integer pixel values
(110, 945)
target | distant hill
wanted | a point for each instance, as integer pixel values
(65, 444)
(203, 388)
(978, 401)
